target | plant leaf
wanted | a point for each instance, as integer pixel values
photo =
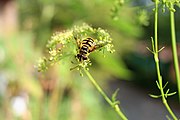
(152, 42)
(157, 84)
(149, 50)
(161, 49)
(165, 85)
(155, 96)
(170, 94)
(114, 95)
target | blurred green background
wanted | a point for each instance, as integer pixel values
(61, 94)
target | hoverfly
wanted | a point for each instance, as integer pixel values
(85, 47)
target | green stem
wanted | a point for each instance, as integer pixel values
(156, 26)
(174, 48)
(156, 58)
(115, 106)
(161, 89)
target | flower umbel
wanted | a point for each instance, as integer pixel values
(68, 44)
(79, 42)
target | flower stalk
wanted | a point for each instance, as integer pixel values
(114, 105)
(156, 58)
(174, 48)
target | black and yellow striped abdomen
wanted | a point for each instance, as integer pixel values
(85, 47)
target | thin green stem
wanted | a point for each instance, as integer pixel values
(162, 91)
(174, 48)
(115, 106)
(156, 26)
(156, 58)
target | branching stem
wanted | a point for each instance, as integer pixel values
(156, 58)
(115, 106)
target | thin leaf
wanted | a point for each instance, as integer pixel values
(167, 91)
(116, 103)
(152, 42)
(165, 85)
(161, 49)
(155, 96)
(157, 84)
(114, 95)
(149, 50)
(166, 94)
(170, 94)
(168, 117)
